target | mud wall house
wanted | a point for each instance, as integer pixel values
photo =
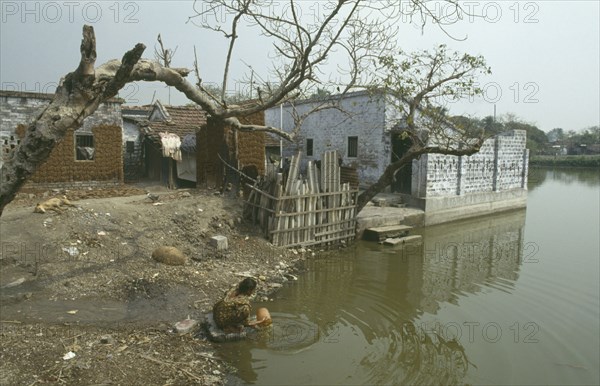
(218, 144)
(364, 131)
(167, 128)
(89, 156)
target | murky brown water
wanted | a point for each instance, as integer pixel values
(508, 299)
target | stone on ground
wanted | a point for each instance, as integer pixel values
(169, 256)
(185, 326)
(219, 242)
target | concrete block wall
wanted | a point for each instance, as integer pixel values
(361, 115)
(500, 165)
(477, 170)
(72, 185)
(442, 175)
(511, 161)
(107, 114)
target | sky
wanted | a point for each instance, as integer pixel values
(544, 55)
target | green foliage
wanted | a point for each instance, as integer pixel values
(436, 77)
(588, 136)
(491, 127)
(576, 142)
(556, 134)
(537, 141)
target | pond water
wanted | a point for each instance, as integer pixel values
(506, 299)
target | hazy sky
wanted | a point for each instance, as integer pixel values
(545, 55)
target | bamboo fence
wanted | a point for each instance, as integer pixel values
(295, 210)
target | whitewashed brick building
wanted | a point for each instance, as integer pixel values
(445, 187)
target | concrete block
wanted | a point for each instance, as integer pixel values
(392, 241)
(403, 240)
(380, 202)
(219, 242)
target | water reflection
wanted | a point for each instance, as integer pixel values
(464, 257)
(587, 176)
(352, 318)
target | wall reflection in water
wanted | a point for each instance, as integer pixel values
(463, 257)
(351, 318)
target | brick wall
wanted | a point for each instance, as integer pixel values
(251, 145)
(107, 165)
(361, 115)
(214, 139)
(500, 165)
(17, 110)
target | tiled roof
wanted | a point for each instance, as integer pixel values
(136, 113)
(183, 120)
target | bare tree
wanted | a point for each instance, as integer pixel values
(359, 29)
(418, 86)
(77, 96)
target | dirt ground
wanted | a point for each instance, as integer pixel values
(82, 284)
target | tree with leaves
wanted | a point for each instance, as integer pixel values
(416, 85)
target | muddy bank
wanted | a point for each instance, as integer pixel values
(83, 281)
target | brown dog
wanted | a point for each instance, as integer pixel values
(53, 204)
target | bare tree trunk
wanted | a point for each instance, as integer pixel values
(77, 96)
(384, 180)
(413, 153)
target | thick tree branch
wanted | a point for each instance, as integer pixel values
(77, 96)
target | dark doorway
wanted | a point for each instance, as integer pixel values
(403, 178)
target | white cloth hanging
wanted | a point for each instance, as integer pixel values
(171, 145)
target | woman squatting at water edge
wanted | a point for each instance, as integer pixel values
(232, 313)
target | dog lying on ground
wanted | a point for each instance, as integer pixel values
(53, 204)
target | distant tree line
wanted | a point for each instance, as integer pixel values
(586, 141)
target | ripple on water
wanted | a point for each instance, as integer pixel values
(290, 334)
